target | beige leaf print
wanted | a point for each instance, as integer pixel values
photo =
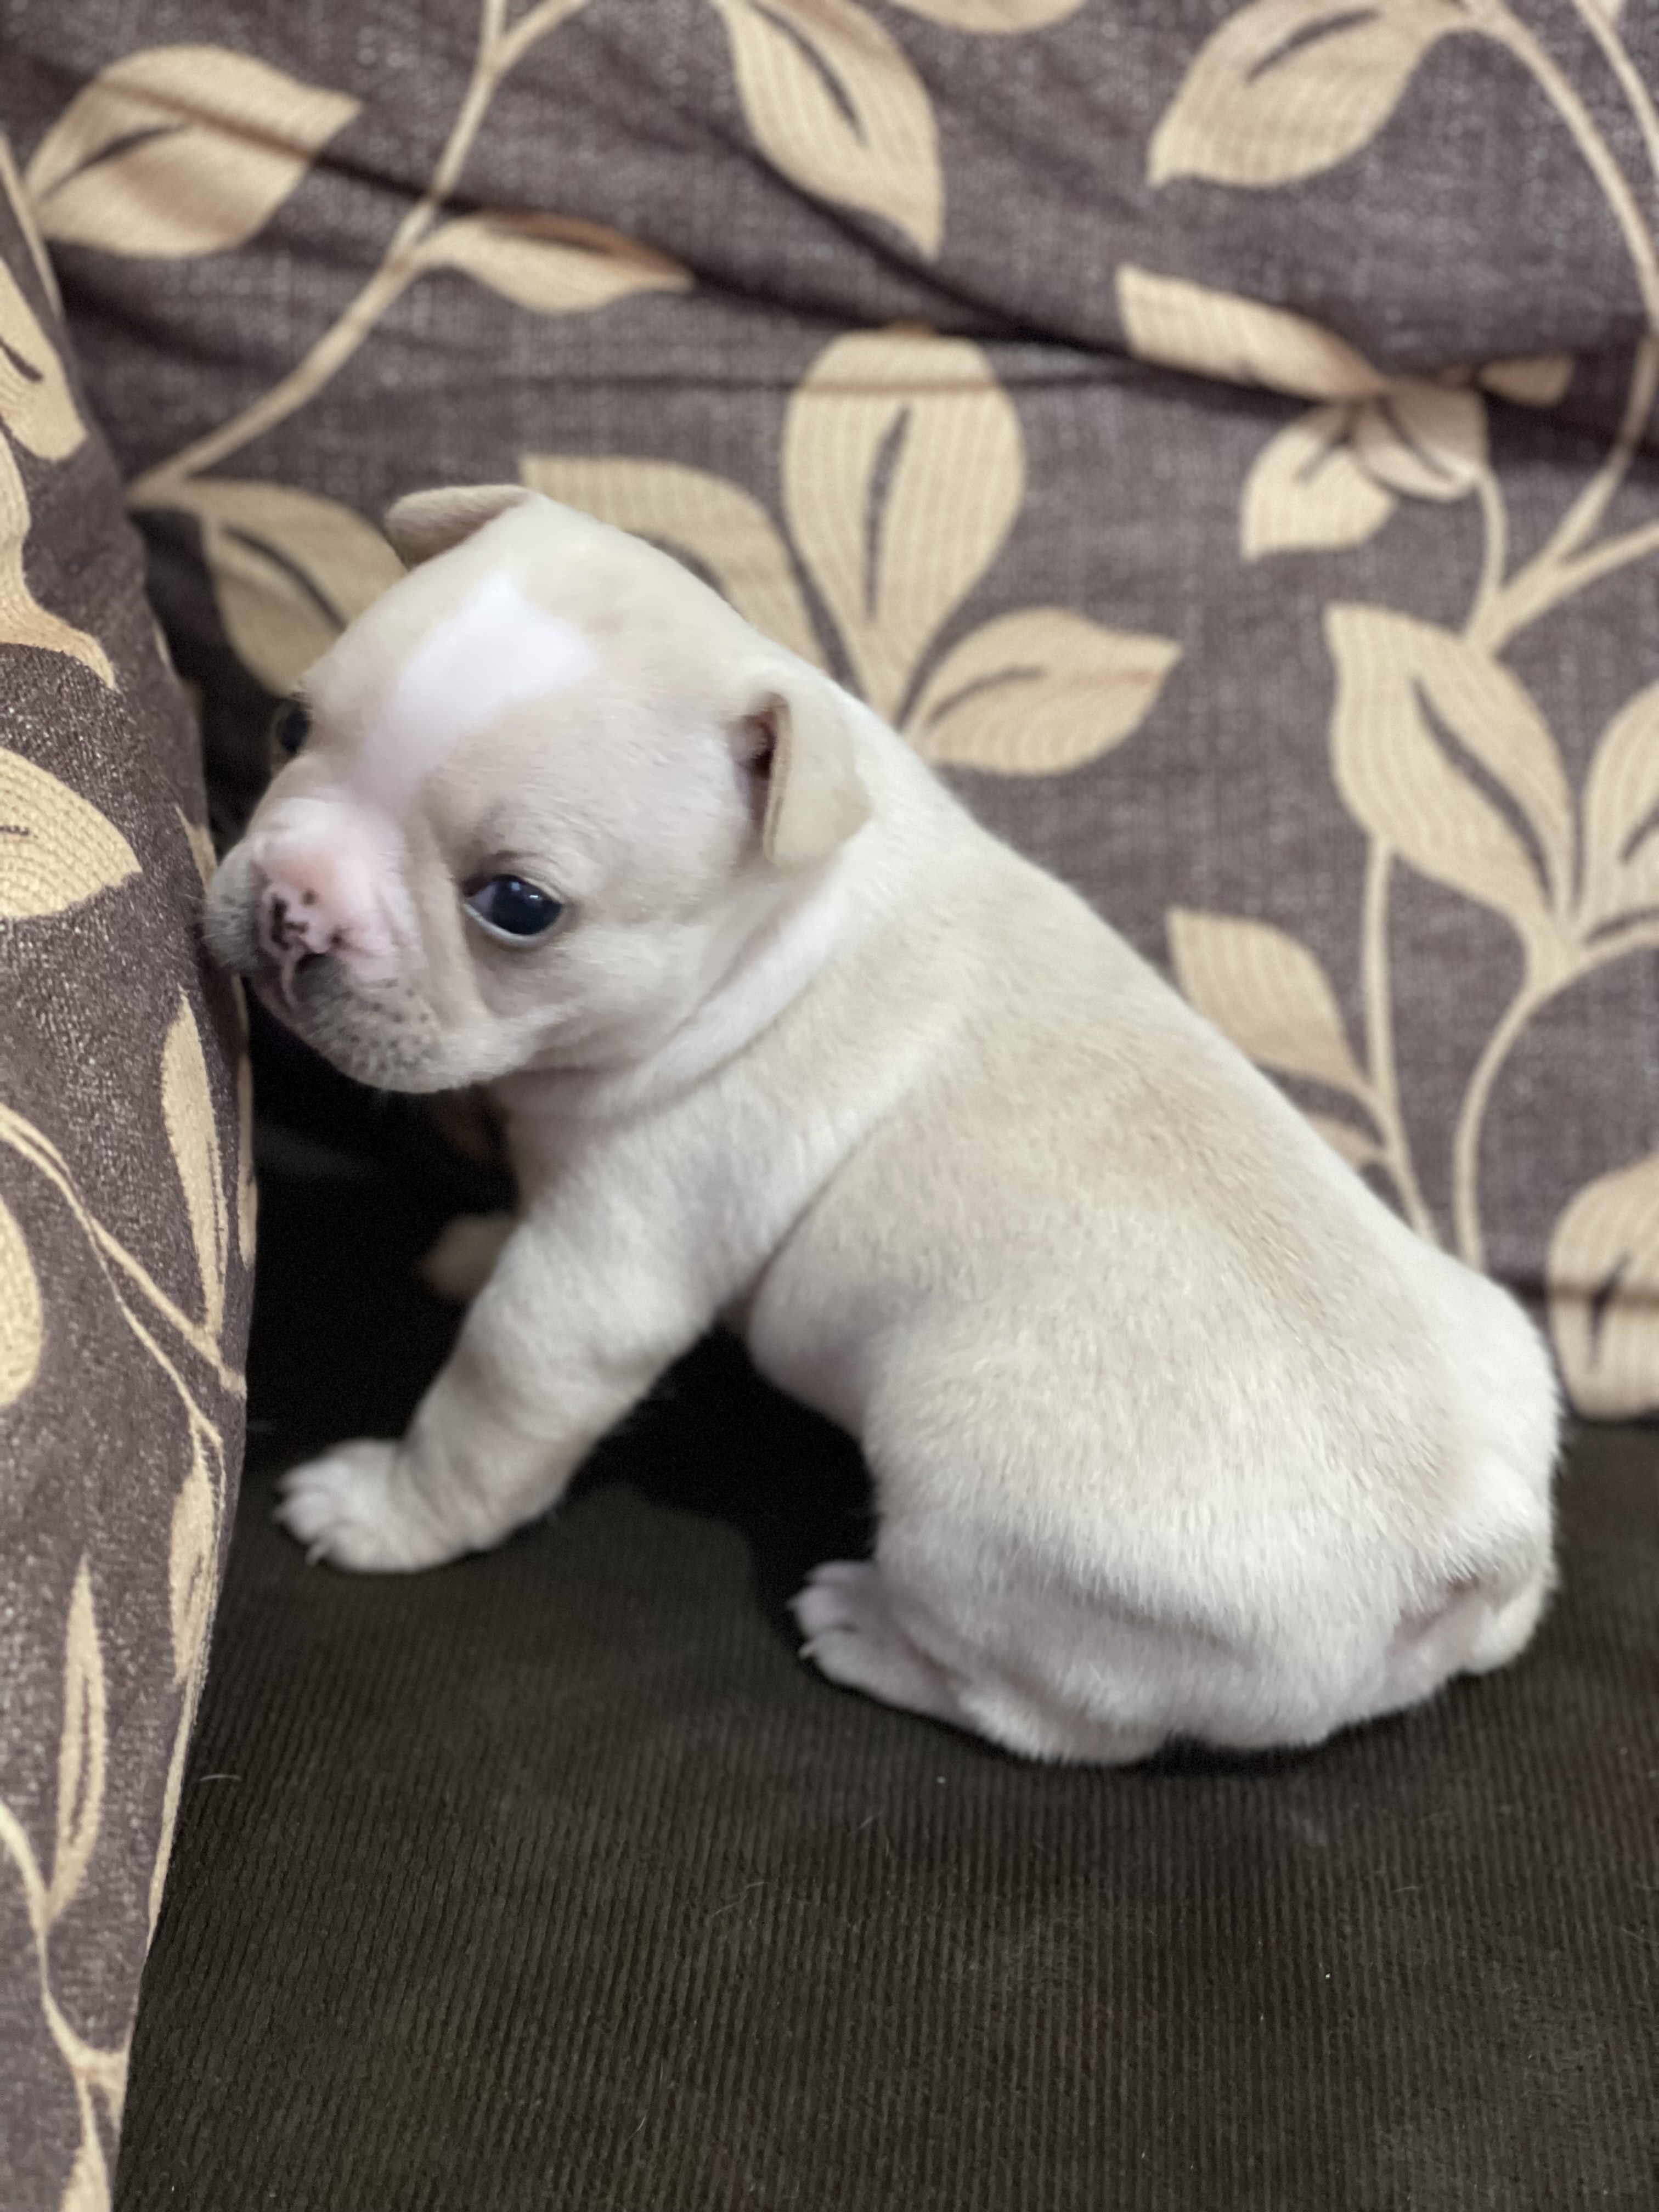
(1038, 691)
(1428, 440)
(199, 838)
(11, 184)
(180, 151)
(247, 1190)
(1621, 816)
(192, 1556)
(22, 1320)
(171, 1794)
(992, 18)
(714, 525)
(80, 1751)
(192, 1561)
(1331, 478)
(87, 2189)
(1306, 492)
(835, 106)
(1211, 333)
(36, 404)
(187, 1111)
(1603, 1278)
(1287, 88)
(1266, 991)
(903, 471)
(55, 849)
(290, 569)
(1400, 684)
(554, 265)
(23, 620)
(1538, 380)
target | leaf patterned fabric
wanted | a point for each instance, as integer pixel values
(1168, 423)
(126, 1224)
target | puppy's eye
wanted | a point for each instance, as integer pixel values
(510, 908)
(290, 725)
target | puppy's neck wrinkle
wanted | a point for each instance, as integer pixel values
(771, 958)
(883, 869)
(771, 961)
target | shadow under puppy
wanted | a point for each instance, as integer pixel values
(1175, 1428)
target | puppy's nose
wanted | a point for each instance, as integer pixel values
(323, 881)
(296, 918)
(294, 923)
(310, 900)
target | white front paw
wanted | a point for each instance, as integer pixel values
(353, 1509)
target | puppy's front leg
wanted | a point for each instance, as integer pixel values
(558, 1346)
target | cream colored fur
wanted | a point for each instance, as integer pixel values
(1175, 1430)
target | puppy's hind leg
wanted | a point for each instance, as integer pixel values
(1507, 1628)
(852, 1636)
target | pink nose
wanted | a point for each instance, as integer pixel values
(325, 886)
(294, 919)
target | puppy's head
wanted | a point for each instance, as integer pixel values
(541, 795)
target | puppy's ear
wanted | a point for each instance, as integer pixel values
(799, 743)
(425, 523)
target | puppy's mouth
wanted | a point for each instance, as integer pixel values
(304, 988)
(288, 938)
(273, 976)
(365, 1015)
(275, 988)
(384, 1033)
(277, 949)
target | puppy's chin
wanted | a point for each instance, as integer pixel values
(385, 1035)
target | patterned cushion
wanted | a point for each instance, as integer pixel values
(126, 1227)
(1219, 434)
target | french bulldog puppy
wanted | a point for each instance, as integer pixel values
(1176, 1430)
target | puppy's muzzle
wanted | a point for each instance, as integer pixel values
(293, 927)
(269, 917)
(320, 889)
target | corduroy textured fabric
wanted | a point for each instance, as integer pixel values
(553, 1880)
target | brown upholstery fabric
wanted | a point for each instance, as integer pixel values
(1220, 433)
(555, 1882)
(124, 1239)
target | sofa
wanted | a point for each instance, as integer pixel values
(1220, 437)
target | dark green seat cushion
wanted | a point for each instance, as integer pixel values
(553, 1880)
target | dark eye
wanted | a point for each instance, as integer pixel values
(290, 725)
(509, 907)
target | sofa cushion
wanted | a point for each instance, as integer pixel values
(555, 1880)
(1217, 434)
(125, 1232)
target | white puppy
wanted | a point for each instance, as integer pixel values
(1175, 1430)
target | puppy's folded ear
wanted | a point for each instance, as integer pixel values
(425, 523)
(799, 740)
